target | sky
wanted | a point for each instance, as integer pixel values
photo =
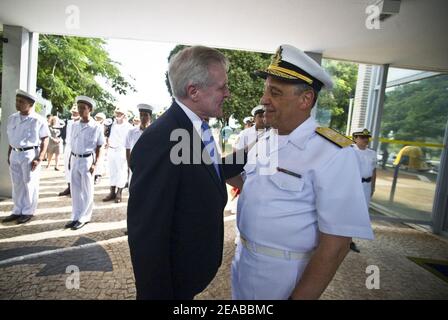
(147, 62)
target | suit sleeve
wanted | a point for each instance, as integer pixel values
(151, 207)
(233, 164)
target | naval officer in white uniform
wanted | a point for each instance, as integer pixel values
(28, 140)
(367, 165)
(367, 161)
(87, 137)
(302, 199)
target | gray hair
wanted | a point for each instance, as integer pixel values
(302, 87)
(190, 67)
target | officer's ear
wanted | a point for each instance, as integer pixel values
(308, 99)
(193, 92)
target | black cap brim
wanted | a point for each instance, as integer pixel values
(362, 135)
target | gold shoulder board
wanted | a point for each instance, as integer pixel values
(334, 136)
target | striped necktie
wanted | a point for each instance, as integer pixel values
(209, 143)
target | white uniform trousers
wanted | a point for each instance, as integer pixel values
(260, 277)
(118, 166)
(81, 189)
(67, 153)
(25, 183)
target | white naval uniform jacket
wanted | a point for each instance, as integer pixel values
(325, 194)
(132, 137)
(248, 136)
(26, 131)
(85, 137)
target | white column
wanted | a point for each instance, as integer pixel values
(32, 61)
(375, 104)
(19, 71)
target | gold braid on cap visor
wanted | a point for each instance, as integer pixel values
(286, 73)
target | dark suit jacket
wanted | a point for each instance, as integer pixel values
(175, 214)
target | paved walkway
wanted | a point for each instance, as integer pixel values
(36, 258)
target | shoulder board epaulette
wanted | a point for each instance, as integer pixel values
(334, 137)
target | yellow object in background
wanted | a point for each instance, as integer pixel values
(412, 158)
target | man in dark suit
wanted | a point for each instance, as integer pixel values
(178, 192)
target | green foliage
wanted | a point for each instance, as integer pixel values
(69, 66)
(245, 90)
(417, 111)
(344, 75)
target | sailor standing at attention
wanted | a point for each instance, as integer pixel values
(28, 140)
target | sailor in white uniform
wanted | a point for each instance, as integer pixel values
(249, 136)
(116, 155)
(28, 140)
(87, 137)
(68, 149)
(367, 165)
(134, 134)
(302, 199)
(368, 161)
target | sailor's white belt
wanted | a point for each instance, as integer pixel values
(273, 252)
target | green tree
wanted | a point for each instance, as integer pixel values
(417, 111)
(70, 66)
(344, 75)
(246, 90)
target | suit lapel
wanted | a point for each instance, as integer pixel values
(185, 123)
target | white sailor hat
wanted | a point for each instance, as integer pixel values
(143, 107)
(257, 109)
(248, 119)
(86, 99)
(27, 95)
(100, 115)
(293, 65)
(361, 133)
(74, 108)
(120, 109)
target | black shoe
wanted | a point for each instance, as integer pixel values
(11, 218)
(79, 225)
(24, 219)
(66, 192)
(97, 179)
(70, 224)
(354, 247)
